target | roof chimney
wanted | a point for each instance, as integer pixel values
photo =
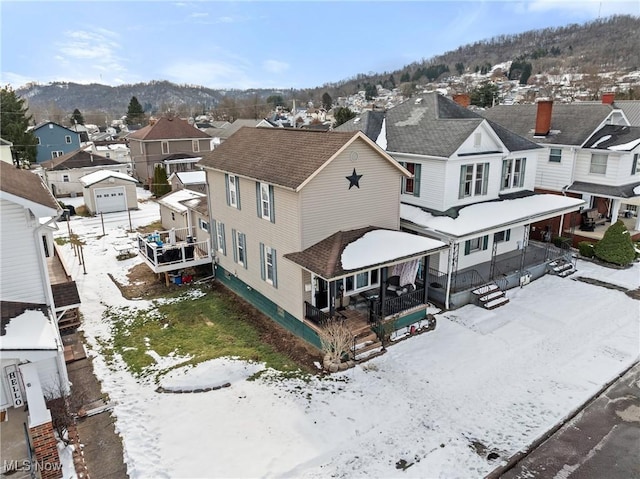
(607, 98)
(462, 99)
(543, 118)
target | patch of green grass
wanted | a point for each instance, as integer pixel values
(151, 227)
(203, 328)
(61, 240)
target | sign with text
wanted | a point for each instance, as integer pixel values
(15, 384)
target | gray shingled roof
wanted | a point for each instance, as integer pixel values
(631, 109)
(430, 124)
(571, 124)
(624, 191)
(226, 132)
(25, 184)
(77, 159)
(614, 135)
(280, 156)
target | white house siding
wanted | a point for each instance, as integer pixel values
(328, 205)
(49, 376)
(283, 235)
(489, 141)
(432, 182)
(481, 256)
(452, 180)
(55, 179)
(5, 154)
(555, 176)
(180, 220)
(198, 233)
(21, 278)
(615, 174)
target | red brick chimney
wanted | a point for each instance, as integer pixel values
(462, 99)
(543, 117)
(608, 98)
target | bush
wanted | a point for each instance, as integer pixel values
(559, 241)
(616, 246)
(586, 249)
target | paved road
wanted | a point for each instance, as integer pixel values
(602, 441)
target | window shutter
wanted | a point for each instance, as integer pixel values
(226, 187)
(224, 240)
(485, 242)
(461, 190)
(524, 162)
(634, 166)
(485, 179)
(238, 191)
(258, 199)
(243, 242)
(235, 245)
(272, 211)
(467, 247)
(275, 268)
(416, 179)
(213, 232)
(263, 273)
(507, 235)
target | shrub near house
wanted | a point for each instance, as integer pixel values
(616, 246)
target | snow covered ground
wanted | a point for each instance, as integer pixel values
(482, 382)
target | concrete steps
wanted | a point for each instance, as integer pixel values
(490, 296)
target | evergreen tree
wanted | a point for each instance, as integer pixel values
(327, 101)
(160, 184)
(460, 68)
(405, 77)
(526, 73)
(343, 115)
(135, 113)
(77, 118)
(275, 100)
(484, 95)
(14, 121)
(616, 245)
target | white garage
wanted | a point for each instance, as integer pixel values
(109, 191)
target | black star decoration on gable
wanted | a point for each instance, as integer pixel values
(354, 179)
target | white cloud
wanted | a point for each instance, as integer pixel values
(15, 79)
(199, 15)
(275, 66)
(214, 74)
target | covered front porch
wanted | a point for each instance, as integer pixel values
(365, 278)
(174, 249)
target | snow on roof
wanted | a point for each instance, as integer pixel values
(30, 330)
(172, 200)
(636, 190)
(192, 177)
(626, 146)
(601, 140)
(381, 141)
(381, 246)
(492, 214)
(97, 176)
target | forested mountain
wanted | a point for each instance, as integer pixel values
(604, 45)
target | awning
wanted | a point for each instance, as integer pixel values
(622, 192)
(346, 252)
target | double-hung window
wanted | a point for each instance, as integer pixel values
(598, 164)
(165, 147)
(195, 146)
(268, 266)
(476, 244)
(219, 241)
(502, 236)
(67, 139)
(65, 178)
(474, 180)
(204, 226)
(513, 173)
(359, 281)
(239, 248)
(232, 184)
(411, 186)
(264, 201)
(555, 155)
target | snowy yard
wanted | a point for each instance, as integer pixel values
(483, 382)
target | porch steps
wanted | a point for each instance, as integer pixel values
(490, 296)
(562, 268)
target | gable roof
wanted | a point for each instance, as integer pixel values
(98, 176)
(571, 124)
(77, 159)
(432, 125)
(44, 123)
(226, 132)
(369, 123)
(281, 156)
(173, 200)
(190, 177)
(168, 129)
(615, 138)
(631, 109)
(25, 185)
(201, 205)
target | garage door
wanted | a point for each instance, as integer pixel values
(111, 199)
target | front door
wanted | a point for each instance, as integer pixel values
(321, 296)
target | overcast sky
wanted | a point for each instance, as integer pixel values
(223, 44)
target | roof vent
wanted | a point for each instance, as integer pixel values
(418, 101)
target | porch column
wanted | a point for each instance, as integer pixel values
(637, 225)
(425, 278)
(615, 210)
(38, 412)
(332, 298)
(525, 242)
(384, 275)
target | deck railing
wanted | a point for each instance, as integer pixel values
(460, 281)
(396, 304)
(160, 253)
(315, 315)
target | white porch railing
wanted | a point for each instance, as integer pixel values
(174, 249)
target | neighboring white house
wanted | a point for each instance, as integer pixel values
(114, 151)
(32, 362)
(5, 151)
(174, 214)
(63, 174)
(109, 191)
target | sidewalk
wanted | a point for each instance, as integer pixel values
(102, 447)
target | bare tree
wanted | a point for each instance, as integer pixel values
(336, 341)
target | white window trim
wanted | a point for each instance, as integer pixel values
(219, 237)
(558, 156)
(65, 178)
(195, 146)
(265, 203)
(67, 139)
(240, 248)
(354, 280)
(204, 225)
(603, 165)
(508, 180)
(233, 192)
(165, 147)
(268, 265)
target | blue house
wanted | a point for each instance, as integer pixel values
(54, 140)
